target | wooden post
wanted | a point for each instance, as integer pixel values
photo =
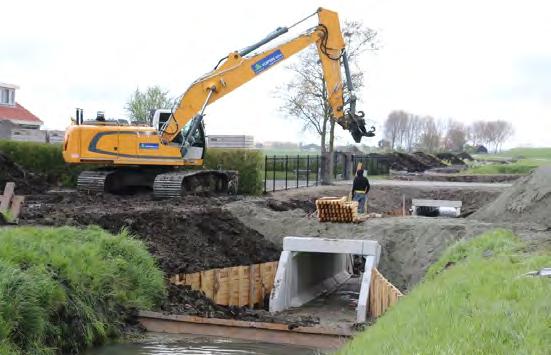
(8, 195)
(244, 284)
(207, 283)
(234, 286)
(221, 286)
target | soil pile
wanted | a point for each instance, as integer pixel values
(429, 160)
(412, 163)
(186, 235)
(183, 300)
(528, 201)
(192, 240)
(25, 182)
(451, 158)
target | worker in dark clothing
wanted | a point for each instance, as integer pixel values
(360, 188)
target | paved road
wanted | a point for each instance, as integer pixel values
(280, 184)
(432, 183)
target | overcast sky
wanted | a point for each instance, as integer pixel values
(467, 60)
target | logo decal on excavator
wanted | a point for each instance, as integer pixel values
(149, 146)
(267, 62)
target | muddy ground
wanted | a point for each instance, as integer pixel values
(204, 232)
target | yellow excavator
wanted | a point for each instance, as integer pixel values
(153, 156)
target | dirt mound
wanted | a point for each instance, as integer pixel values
(183, 300)
(308, 206)
(190, 241)
(413, 163)
(25, 182)
(429, 160)
(451, 158)
(528, 201)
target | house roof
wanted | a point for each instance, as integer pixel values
(18, 114)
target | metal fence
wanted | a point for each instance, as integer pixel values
(288, 172)
(283, 172)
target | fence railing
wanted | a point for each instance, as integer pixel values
(283, 172)
(288, 172)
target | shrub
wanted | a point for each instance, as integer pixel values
(63, 289)
(249, 163)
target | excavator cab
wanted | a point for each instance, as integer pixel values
(196, 150)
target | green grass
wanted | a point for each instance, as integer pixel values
(474, 300)
(64, 289)
(492, 169)
(528, 153)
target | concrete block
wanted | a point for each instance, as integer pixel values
(363, 299)
(309, 267)
(335, 246)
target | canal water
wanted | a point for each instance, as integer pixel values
(164, 344)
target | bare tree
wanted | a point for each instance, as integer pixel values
(430, 134)
(305, 97)
(396, 129)
(499, 131)
(392, 128)
(456, 136)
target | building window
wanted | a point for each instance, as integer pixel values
(7, 96)
(4, 96)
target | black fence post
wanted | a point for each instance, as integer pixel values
(273, 174)
(265, 171)
(298, 160)
(286, 169)
(307, 170)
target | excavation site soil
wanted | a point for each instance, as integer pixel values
(196, 233)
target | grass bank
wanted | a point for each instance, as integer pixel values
(474, 300)
(64, 289)
(493, 169)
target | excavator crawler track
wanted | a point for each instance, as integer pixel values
(175, 184)
(93, 181)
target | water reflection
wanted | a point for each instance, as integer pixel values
(160, 344)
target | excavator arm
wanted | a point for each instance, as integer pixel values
(239, 68)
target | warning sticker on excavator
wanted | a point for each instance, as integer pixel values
(267, 62)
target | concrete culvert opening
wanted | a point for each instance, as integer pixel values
(312, 267)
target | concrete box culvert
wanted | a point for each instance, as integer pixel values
(310, 267)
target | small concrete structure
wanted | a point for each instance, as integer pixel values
(309, 267)
(436, 208)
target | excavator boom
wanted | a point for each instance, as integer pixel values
(238, 68)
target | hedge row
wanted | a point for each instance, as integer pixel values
(46, 159)
(65, 289)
